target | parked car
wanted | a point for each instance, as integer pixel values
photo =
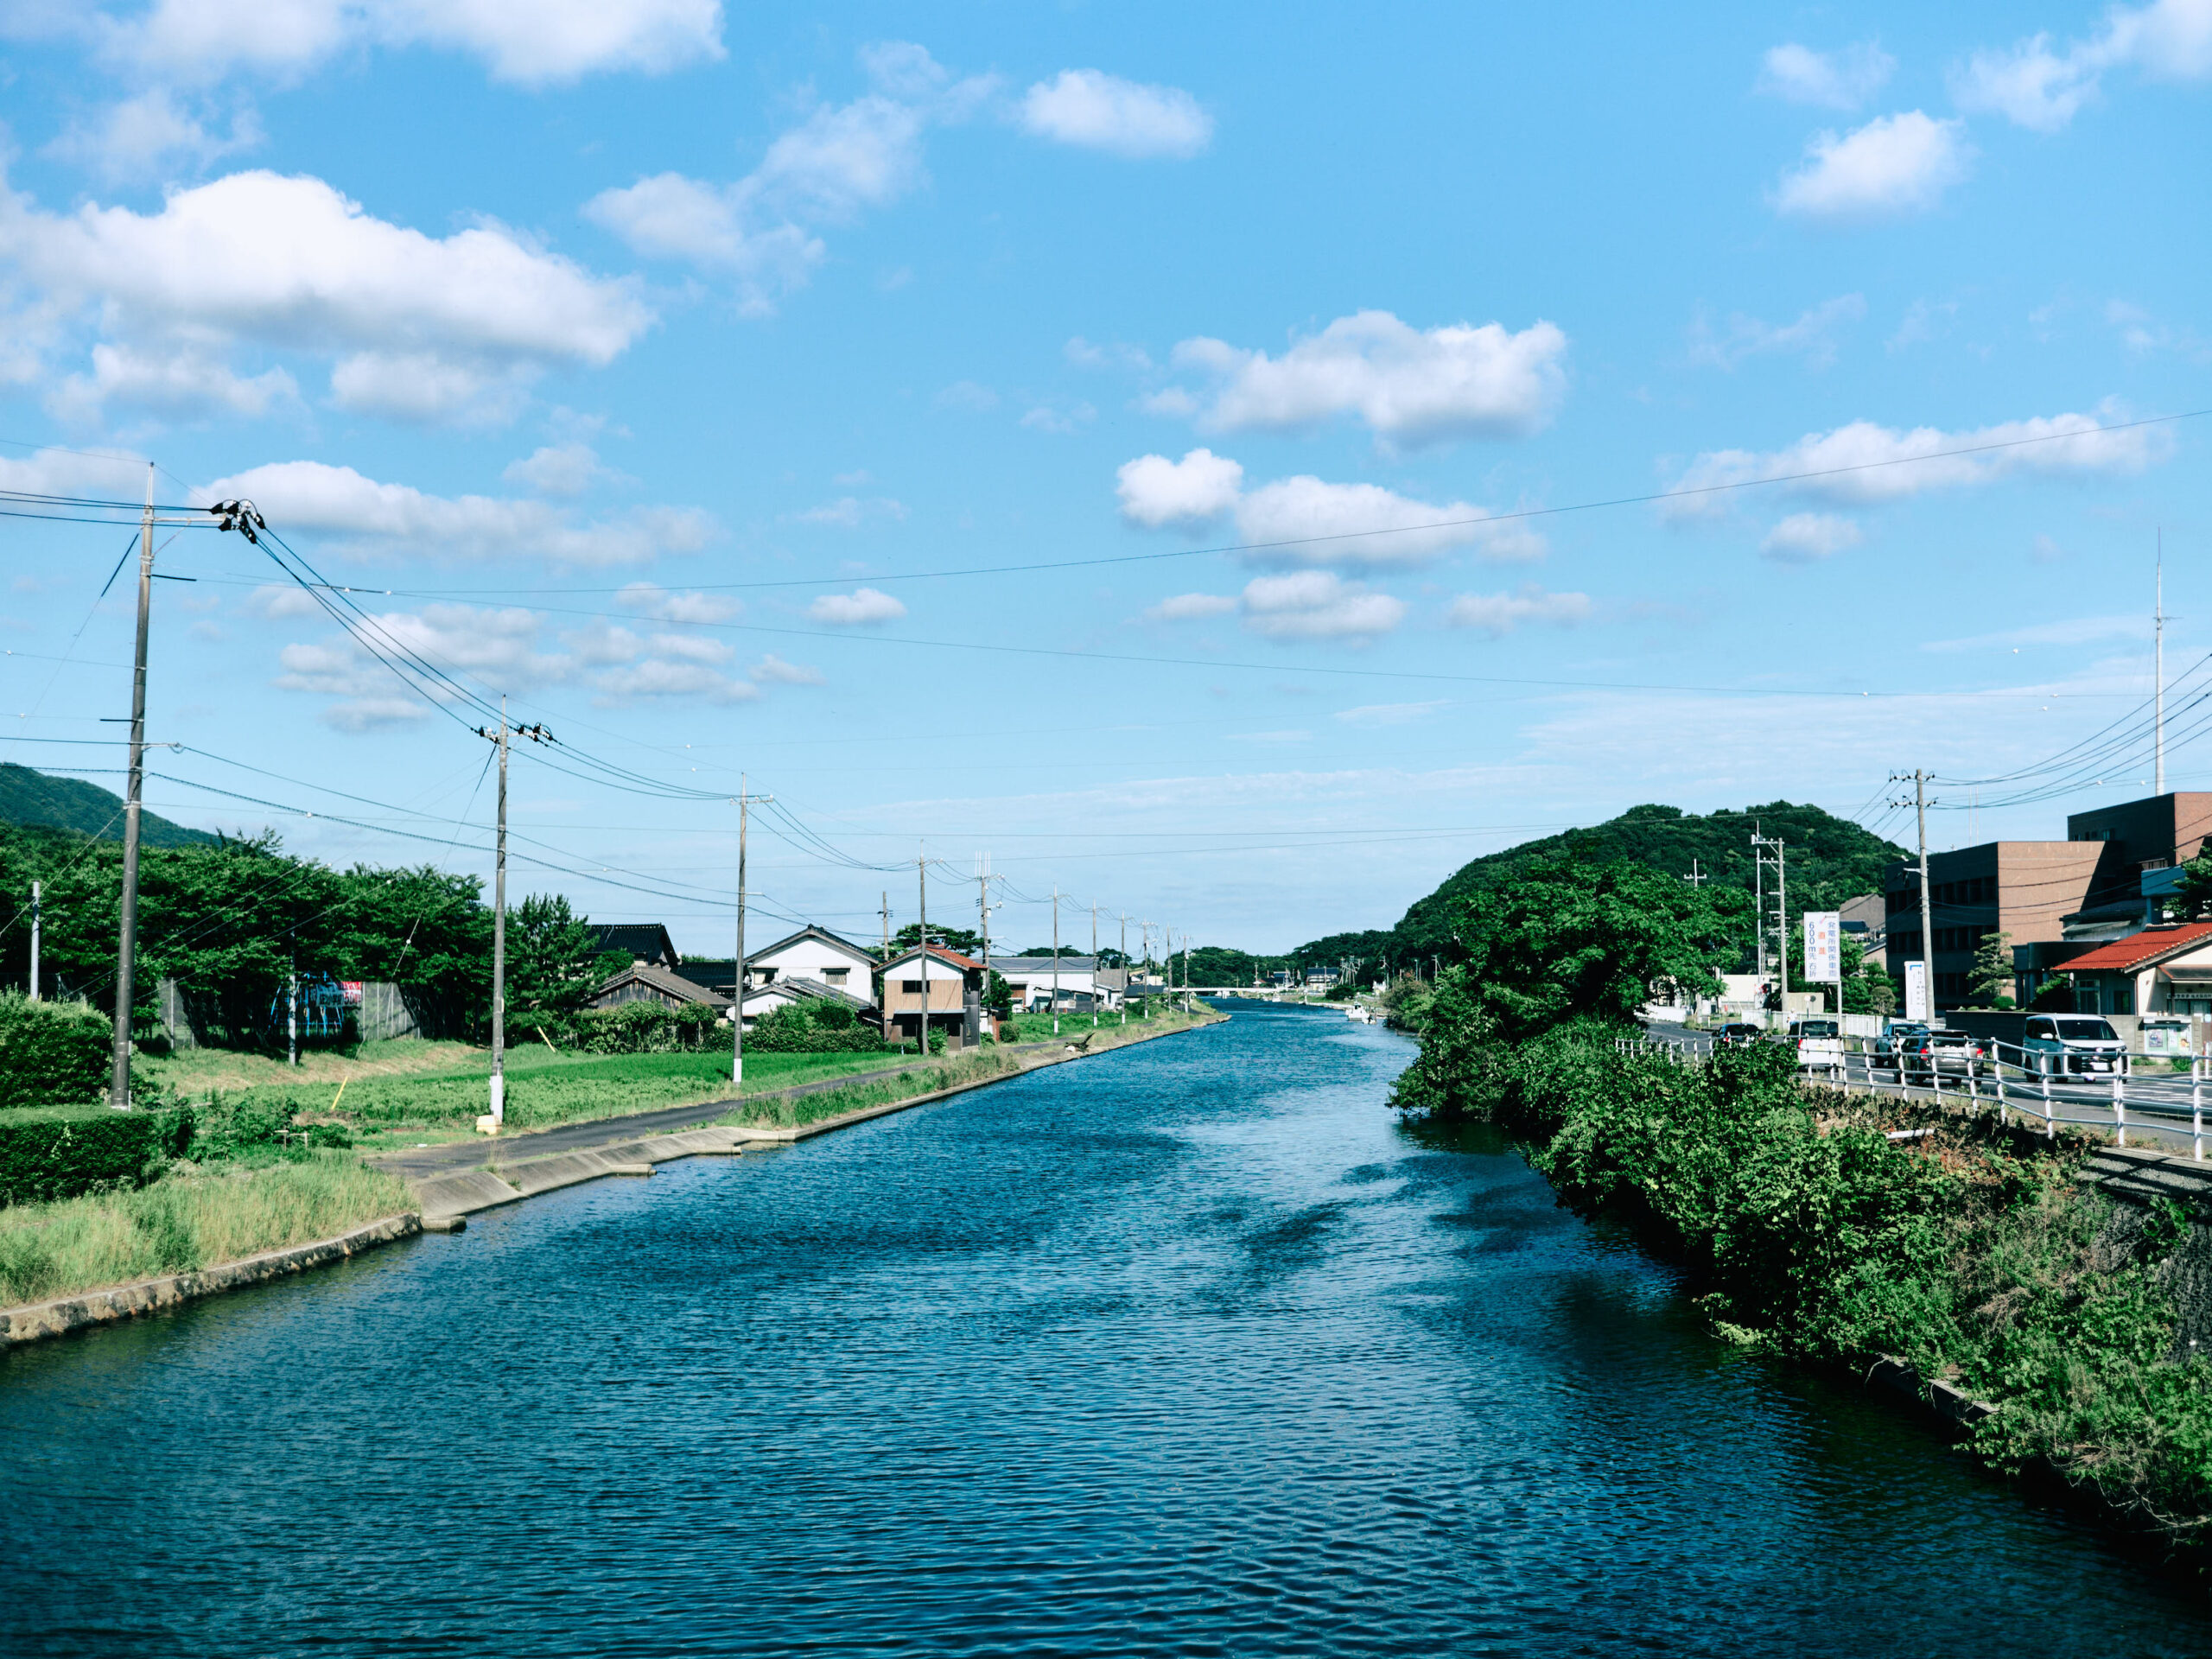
(2074, 1042)
(1735, 1034)
(1940, 1050)
(1896, 1031)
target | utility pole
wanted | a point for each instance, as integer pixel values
(1186, 976)
(2158, 668)
(292, 1013)
(922, 876)
(503, 738)
(1782, 912)
(126, 948)
(887, 924)
(34, 922)
(1758, 907)
(1927, 906)
(737, 1008)
(1693, 878)
(1125, 967)
(1056, 959)
(1094, 967)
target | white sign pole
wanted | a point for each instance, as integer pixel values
(1824, 952)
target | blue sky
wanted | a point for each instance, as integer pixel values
(659, 361)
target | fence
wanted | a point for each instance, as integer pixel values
(2048, 1089)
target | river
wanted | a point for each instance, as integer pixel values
(1188, 1350)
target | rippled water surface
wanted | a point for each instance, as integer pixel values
(1187, 1349)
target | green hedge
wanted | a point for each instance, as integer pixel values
(52, 1053)
(61, 1152)
(812, 1028)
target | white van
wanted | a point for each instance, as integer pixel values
(2073, 1042)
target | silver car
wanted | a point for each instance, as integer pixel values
(2074, 1042)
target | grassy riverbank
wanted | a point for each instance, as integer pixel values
(1969, 1251)
(195, 1216)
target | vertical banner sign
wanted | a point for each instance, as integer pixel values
(1915, 990)
(1823, 947)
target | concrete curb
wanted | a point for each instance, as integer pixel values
(91, 1308)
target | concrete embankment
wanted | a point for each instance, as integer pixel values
(91, 1308)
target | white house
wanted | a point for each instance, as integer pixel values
(1030, 979)
(813, 953)
(785, 992)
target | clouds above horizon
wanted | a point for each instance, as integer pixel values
(1869, 464)
(1894, 165)
(385, 521)
(1410, 387)
(2035, 86)
(1303, 605)
(1095, 111)
(1304, 520)
(1842, 79)
(414, 327)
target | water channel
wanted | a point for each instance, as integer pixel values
(1189, 1350)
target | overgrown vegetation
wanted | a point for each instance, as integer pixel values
(1807, 1231)
(51, 1053)
(196, 1216)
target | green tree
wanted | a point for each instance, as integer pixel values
(2193, 894)
(553, 960)
(998, 995)
(1564, 938)
(963, 940)
(1990, 980)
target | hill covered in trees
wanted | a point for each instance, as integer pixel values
(1829, 859)
(40, 800)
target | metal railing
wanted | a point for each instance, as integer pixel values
(2046, 1087)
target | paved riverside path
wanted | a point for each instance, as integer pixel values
(417, 1162)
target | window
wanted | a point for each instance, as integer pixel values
(912, 987)
(836, 975)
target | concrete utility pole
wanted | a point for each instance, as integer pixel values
(2158, 670)
(1759, 908)
(1782, 912)
(126, 948)
(922, 876)
(34, 923)
(887, 924)
(737, 1008)
(292, 1014)
(1186, 973)
(1927, 905)
(1693, 878)
(1125, 967)
(1094, 967)
(1056, 961)
(503, 738)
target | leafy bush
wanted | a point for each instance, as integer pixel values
(638, 1027)
(52, 1053)
(811, 1028)
(60, 1153)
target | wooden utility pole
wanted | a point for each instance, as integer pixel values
(126, 948)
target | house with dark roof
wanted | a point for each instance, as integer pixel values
(646, 943)
(2157, 970)
(643, 982)
(792, 991)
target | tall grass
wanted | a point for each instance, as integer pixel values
(195, 1218)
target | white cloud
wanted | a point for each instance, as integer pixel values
(1812, 335)
(1191, 607)
(560, 470)
(1306, 520)
(1835, 81)
(1318, 604)
(545, 42)
(1498, 614)
(183, 383)
(1390, 714)
(2057, 445)
(661, 606)
(1805, 537)
(312, 497)
(772, 670)
(850, 511)
(2069, 631)
(1084, 355)
(74, 471)
(2037, 86)
(500, 648)
(859, 609)
(151, 133)
(1156, 491)
(835, 163)
(423, 325)
(1894, 164)
(1060, 422)
(1409, 386)
(1101, 111)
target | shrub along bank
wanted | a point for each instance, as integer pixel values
(51, 1053)
(1968, 1252)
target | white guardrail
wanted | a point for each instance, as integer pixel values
(2145, 1095)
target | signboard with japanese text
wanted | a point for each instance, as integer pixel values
(1823, 946)
(1915, 991)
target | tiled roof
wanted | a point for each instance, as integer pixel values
(2141, 950)
(662, 980)
(939, 953)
